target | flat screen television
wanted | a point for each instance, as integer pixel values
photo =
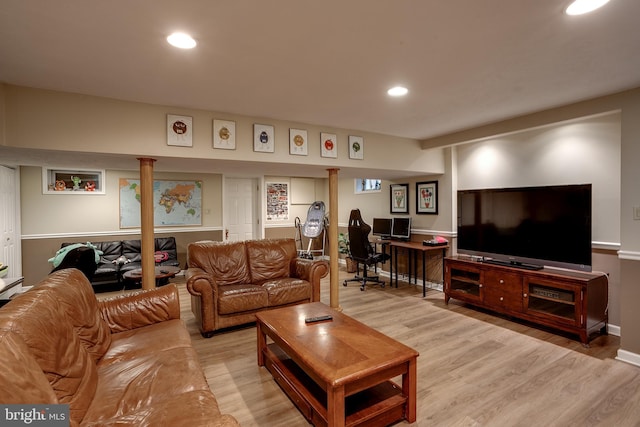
(401, 228)
(382, 227)
(527, 227)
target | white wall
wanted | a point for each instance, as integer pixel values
(578, 152)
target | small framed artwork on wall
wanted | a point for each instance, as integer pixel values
(298, 144)
(179, 130)
(399, 198)
(427, 197)
(356, 147)
(328, 145)
(224, 134)
(263, 138)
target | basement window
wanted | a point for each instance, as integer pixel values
(367, 185)
(72, 181)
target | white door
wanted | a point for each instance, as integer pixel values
(240, 217)
(9, 243)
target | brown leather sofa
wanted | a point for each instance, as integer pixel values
(230, 282)
(126, 361)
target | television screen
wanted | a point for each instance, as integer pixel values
(531, 225)
(382, 227)
(401, 228)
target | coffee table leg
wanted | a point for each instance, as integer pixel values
(335, 407)
(409, 390)
(262, 343)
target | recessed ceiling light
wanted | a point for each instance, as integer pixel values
(579, 7)
(398, 91)
(181, 40)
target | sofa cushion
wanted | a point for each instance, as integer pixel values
(21, 377)
(54, 344)
(287, 291)
(135, 385)
(146, 340)
(270, 260)
(110, 250)
(224, 261)
(167, 245)
(239, 298)
(81, 307)
(195, 409)
(132, 250)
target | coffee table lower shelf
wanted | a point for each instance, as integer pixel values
(381, 405)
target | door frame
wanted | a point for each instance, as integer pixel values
(15, 267)
(258, 228)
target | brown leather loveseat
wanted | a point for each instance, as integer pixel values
(126, 361)
(230, 282)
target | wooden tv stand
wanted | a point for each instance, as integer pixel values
(574, 302)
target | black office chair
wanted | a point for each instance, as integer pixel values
(362, 252)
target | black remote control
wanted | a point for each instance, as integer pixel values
(318, 319)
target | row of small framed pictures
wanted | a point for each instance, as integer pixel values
(179, 133)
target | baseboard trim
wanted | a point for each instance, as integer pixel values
(613, 330)
(628, 357)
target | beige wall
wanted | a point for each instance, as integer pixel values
(41, 119)
(583, 151)
(53, 214)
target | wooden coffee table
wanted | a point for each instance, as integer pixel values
(337, 372)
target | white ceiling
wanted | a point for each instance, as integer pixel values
(465, 62)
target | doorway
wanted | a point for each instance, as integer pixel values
(241, 209)
(10, 221)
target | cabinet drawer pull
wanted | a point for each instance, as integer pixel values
(501, 281)
(479, 285)
(525, 295)
(501, 298)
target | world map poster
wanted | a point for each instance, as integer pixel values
(175, 203)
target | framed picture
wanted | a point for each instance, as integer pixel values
(427, 197)
(356, 147)
(399, 198)
(277, 201)
(224, 134)
(263, 138)
(298, 144)
(329, 145)
(179, 130)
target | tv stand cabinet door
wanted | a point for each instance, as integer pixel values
(503, 291)
(554, 302)
(463, 281)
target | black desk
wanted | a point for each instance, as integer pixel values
(413, 248)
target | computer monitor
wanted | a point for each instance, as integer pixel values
(382, 227)
(401, 228)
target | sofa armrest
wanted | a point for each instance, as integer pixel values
(141, 308)
(203, 287)
(198, 281)
(311, 271)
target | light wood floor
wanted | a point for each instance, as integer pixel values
(474, 369)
